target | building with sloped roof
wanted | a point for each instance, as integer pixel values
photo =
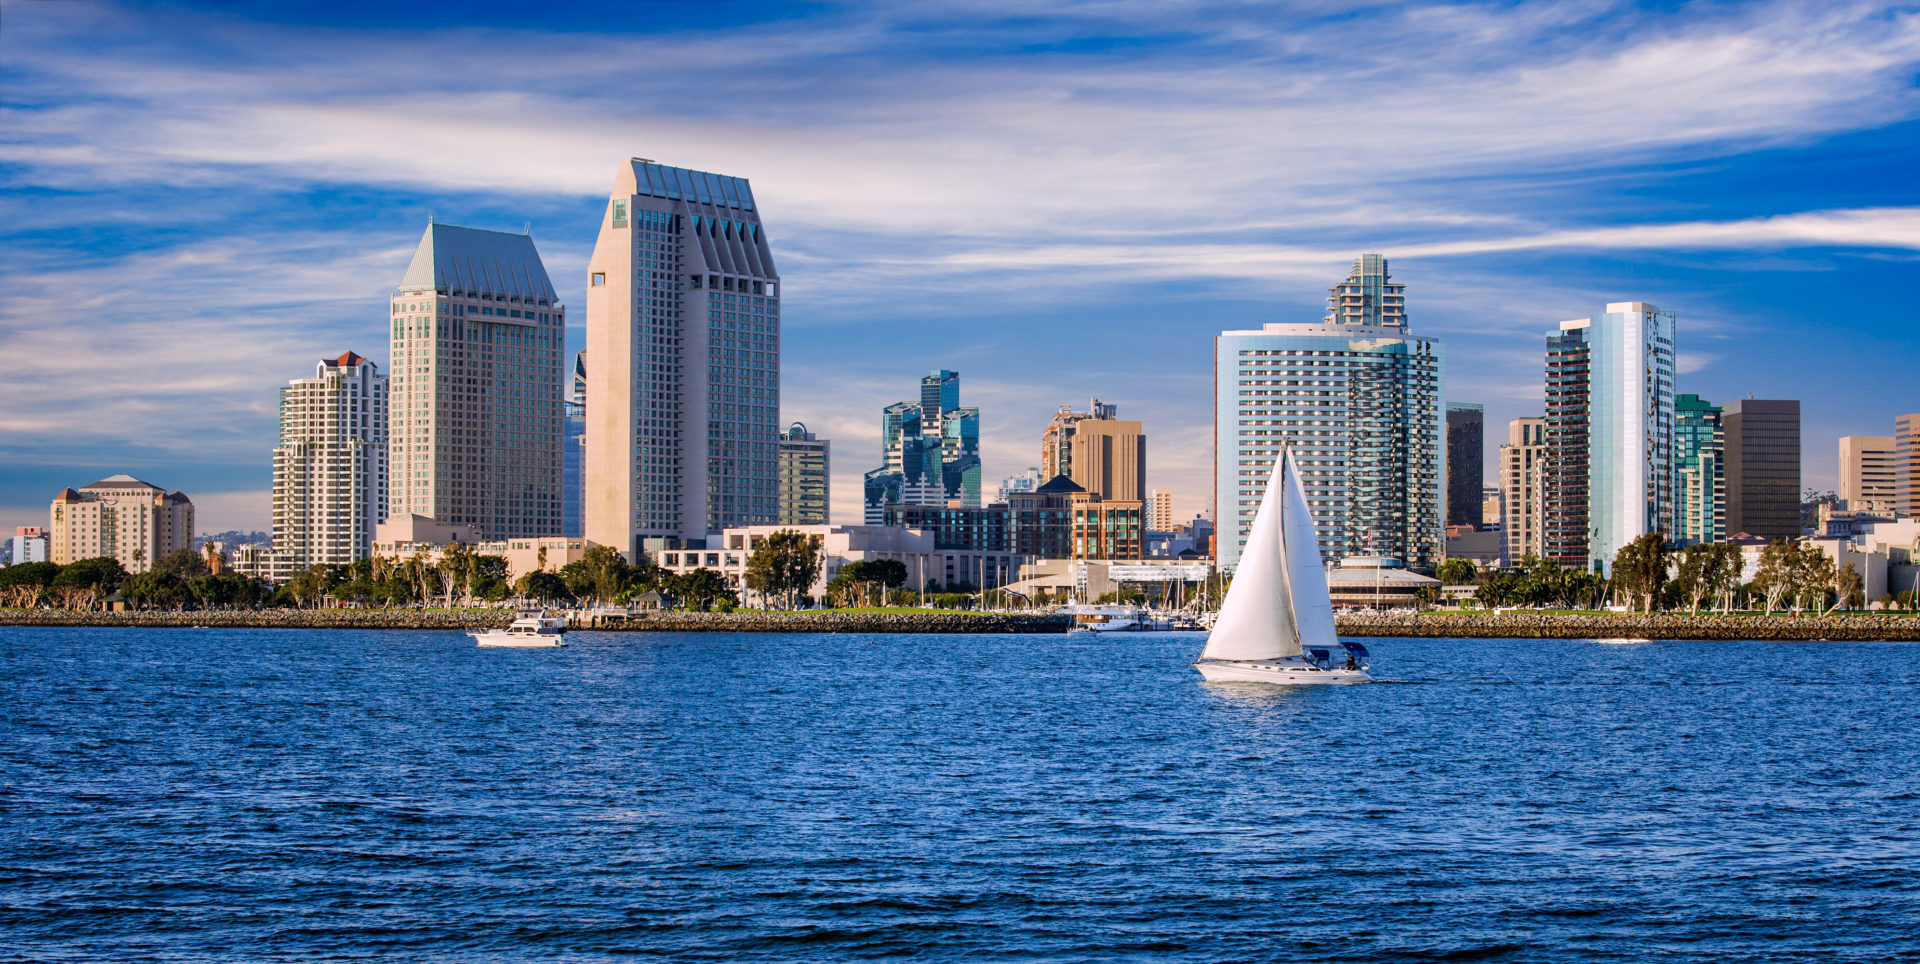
(476, 425)
(122, 517)
(683, 326)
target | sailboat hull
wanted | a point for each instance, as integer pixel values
(1285, 672)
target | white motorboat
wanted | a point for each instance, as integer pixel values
(527, 632)
(1277, 608)
(1109, 619)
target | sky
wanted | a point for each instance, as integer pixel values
(198, 202)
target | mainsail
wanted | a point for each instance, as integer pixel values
(1257, 620)
(1306, 573)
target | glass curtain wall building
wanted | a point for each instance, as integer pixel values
(683, 325)
(930, 452)
(1700, 458)
(805, 482)
(1466, 457)
(1611, 475)
(1359, 401)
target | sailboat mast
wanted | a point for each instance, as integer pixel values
(1293, 615)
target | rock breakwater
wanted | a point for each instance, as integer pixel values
(1847, 626)
(463, 619)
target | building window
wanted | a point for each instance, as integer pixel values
(599, 278)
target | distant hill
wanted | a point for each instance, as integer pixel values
(231, 537)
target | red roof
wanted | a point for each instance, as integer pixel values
(347, 360)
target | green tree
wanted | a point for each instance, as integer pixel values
(1849, 588)
(606, 572)
(80, 584)
(785, 564)
(1456, 572)
(1640, 569)
(543, 587)
(701, 588)
(184, 563)
(310, 585)
(1775, 577)
(155, 588)
(23, 586)
(1813, 576)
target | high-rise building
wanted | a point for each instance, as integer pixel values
(573, 468)
(805, 484)
(1523, 462)
(1610, 462)
(930, 451)
(1358, 400)
(475, 424)
(29, 544)
(134, 522)
(1906, 465)
(1763, 467)
(1026, 480)
(1466, 462)
(1160, 510)
(683, 326)
(1700, 455)
(1869, 473)
(1102, 454)
(330, 468)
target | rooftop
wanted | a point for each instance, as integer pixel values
(472, 259)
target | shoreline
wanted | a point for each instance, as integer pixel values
(1850, 627)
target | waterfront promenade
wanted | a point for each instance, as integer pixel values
(1432, 625)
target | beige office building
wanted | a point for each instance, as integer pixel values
(1522, 506)
(330, 468)
(1103, 454)
(1868, 472)
(475, 417)
(683, 326)
(120, 516)
(1160, 510)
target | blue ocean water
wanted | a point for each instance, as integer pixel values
(268, 795)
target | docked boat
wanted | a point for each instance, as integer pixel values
(530, 631)
(1109, 619)
(1276, 625)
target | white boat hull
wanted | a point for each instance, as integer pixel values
(518, 641)
(1285, 672)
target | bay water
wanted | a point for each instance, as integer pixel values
(183, 795)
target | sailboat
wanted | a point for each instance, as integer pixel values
(1276, 625)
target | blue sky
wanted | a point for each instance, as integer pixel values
(1057, 201)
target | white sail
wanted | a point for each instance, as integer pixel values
(1306, 574)
(1256, 620)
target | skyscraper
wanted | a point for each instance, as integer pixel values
(573, 470)
(1358, 400)
(1700, 449)
(1763, 467)
(1906, 465)
(330, 468)
(1103, 454)
(805, 482)
(1466, 461)
(1869, 472)
(930, 452)
(683, 326)
(1610, 462)
(1523, 462)
(474, 423)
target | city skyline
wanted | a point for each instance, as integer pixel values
(922, 228)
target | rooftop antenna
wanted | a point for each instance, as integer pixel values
(527, 228)
(429, 215)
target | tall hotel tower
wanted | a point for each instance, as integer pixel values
(683, 390)
(1358, 399)
(1610, 475)
(474, 435)
(330, 468)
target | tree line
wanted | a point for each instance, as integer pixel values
(1651, 575)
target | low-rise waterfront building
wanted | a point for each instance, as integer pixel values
(928, 565)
